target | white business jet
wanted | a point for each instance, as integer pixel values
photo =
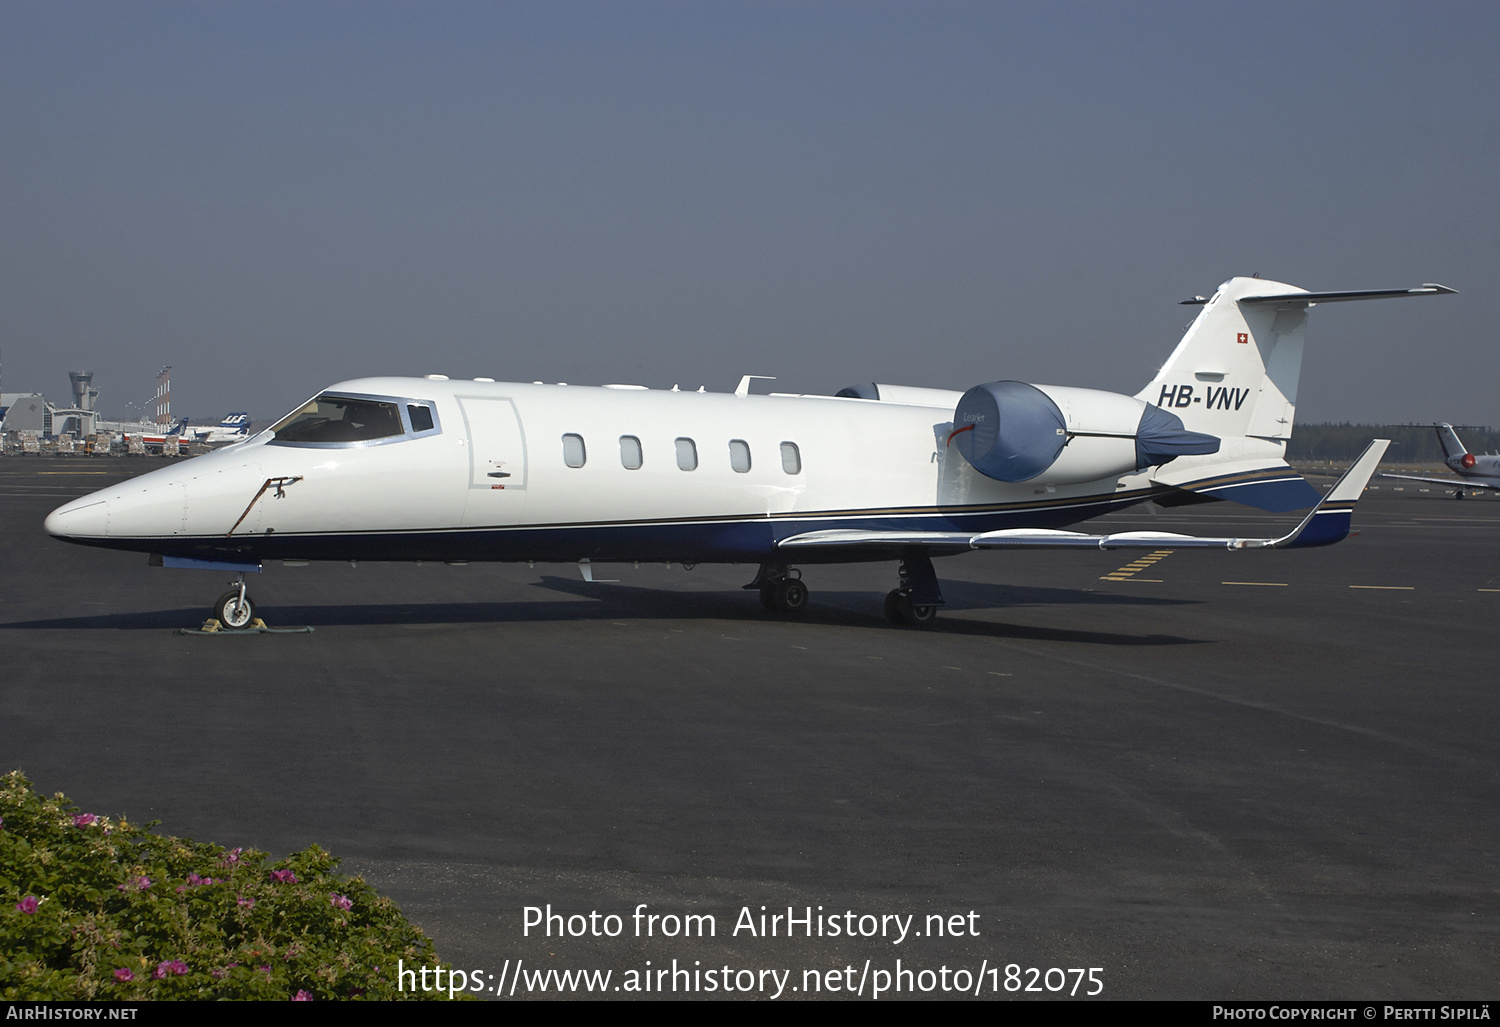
(437, 469)
(1475, 472)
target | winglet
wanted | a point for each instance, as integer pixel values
(1328, 522)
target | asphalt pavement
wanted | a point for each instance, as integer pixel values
(1200, 775)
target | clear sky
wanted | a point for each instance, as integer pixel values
(274, 196)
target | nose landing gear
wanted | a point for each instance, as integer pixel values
(234, 609)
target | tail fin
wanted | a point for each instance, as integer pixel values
(1234, 375)
(1452, 448)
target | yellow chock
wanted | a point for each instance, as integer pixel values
(212, 624)
(257, 623)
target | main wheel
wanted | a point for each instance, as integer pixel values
(232, 612)
(893, 600)
(918, 616)
(899, 609)
(790, 596)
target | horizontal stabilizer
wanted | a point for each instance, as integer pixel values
(1301, 298)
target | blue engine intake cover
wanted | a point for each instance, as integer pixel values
(1009, 431)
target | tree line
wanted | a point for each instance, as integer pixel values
(1410, 444)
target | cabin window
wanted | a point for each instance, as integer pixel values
(687, 455)
(421, 417)
(630, 452)
(791, 459)
(340, 419)
(739, 455)
(573, 452)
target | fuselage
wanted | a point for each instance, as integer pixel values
(477, 470)
(1478, 468)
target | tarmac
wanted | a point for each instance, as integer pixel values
(1209, 775)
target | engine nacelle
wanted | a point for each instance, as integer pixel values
(1013, 431)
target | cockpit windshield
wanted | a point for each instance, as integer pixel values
(332, 418)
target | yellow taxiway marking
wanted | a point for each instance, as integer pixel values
(1268, 584)
(75, 472)
(1127, 573)
(1389, 588)
(1490, 590)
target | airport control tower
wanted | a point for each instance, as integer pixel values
(83, 395)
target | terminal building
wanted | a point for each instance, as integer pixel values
(30, 412)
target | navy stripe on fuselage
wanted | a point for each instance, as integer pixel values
(744, 538)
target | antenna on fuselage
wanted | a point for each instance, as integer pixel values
(743, 388)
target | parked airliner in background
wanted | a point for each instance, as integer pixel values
(438, 469)
(234, 428)
(174, 432)
(1476, 472)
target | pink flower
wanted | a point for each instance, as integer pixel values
(340, 901)
(84, 820)
(169, 966)
(135, 884)
(284, 876)
(122, 975)
(302, 996)
(27, 905)
(247, 903)
(231, 858)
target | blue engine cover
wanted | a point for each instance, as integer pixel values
(1013, 432)
(1160, 437)
(1009, 431)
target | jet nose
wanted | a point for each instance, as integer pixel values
(83, 518)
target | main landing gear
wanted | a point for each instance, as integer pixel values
(781, 589)
(899, 609)
(234, 608)
(915, 602)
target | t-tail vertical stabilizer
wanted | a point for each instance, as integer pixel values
(1234, 375)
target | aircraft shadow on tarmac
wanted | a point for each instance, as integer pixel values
(616, 601)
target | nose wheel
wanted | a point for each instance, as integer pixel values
(234, 608)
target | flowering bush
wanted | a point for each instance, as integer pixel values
(98, 908)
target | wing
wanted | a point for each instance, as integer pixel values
(1325, 524)
(1454, 483)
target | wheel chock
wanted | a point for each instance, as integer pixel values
(212, 626)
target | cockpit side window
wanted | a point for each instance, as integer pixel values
(340, 419)
(421, 417)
